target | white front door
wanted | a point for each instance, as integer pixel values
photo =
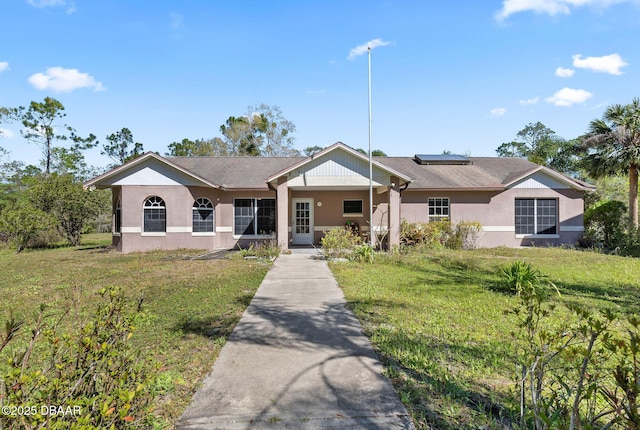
(302, 221)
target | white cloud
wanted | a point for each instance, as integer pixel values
(498, 112)
(551, 7)
(71, 6)
(64, 80)
(531, 101)
(4, 66)
(568, 97)
(46, 3)
(362, 49)
(606, 64)
(564, 73)
(6, 133)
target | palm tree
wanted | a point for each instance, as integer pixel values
(613, 147)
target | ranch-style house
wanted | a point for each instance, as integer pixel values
(222, 202)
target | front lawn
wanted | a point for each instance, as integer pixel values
(190, 305)
(440, 327)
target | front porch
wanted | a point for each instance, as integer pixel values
(303, 216)
(331, 190)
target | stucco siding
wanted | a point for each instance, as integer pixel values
(179, 225)
(496, 212)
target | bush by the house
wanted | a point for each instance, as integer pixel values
(440, 234)
(607, 229)
(604, 223)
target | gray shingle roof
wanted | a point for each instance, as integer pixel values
(252, 172)
(236, 172)
(482, 172)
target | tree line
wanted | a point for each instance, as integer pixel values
(608, 151)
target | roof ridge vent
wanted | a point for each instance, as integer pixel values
(442, 159)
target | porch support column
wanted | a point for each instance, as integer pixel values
(394, 213)
(282, 195)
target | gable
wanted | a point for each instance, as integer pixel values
(336, 168)
(153, 172)
(540, 180)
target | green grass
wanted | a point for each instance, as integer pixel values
(439, 324)
(191, 306)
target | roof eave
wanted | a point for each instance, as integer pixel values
(449, 189)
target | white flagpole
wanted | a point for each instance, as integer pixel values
(371, 227)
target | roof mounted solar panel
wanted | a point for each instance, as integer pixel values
(450, 159)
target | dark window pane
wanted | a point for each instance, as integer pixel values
(202, 220)
(352, 206)
(203, 216)
(243, 216)
(266, 216)
(525, 217)
(118, 218)
(547, 216)
(155, 215)
(438, 209)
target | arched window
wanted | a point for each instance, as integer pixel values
(155, 215)
(203, 216)
(117, 219)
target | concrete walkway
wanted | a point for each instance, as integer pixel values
(297, 359)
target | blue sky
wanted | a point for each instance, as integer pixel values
(463, 76)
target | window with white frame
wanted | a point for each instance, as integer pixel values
(536, 216)
(352, 207)
(438, 209)
(155, 215)
(202, 216)
(254, 216)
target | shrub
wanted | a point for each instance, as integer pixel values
(23, 224)
(432, 234)
(464, 235)
(584, 374)
(628, 243)
(92, 372)
(340, 242)
(440, 234)
(604, 223)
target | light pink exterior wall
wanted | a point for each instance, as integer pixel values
(496, 211)
(179, 203)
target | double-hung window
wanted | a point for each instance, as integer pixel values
(202, 216)
(254, 217)
(536, 216)
(438, 209)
